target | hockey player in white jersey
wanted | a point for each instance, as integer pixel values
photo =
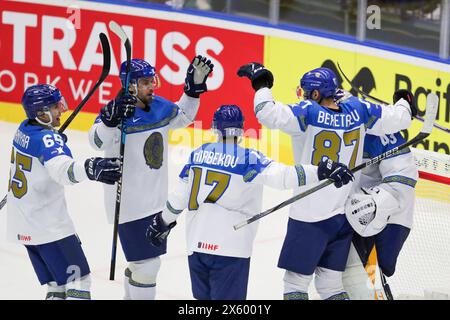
(381, 213)
(145, 172)
(318, 236)
(37, 215)
(220, 186)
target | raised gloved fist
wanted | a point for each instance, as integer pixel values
(338, 172)
(117, 109)
(196, 75)
(258, 75)
(408, 96)
(106, 170)
(158, 231)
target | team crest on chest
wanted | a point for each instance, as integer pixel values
(154, 150)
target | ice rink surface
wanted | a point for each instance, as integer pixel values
(85, 203)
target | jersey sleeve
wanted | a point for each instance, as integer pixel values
(57, 159)
(178, 198)
(187, 111)
(275, 115)
(388, 119)
(102, 137)
(263, 170)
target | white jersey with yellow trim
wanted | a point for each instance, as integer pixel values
(41, 163)
(145, 167)
(222, 185)
(318, 132)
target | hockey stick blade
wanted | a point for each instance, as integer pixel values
(105, 71)
(118, 31)
(430, 116)
(375, 99)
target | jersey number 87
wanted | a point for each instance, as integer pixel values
(328, 144)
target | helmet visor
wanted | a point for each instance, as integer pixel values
(62, 105)
(149, 82)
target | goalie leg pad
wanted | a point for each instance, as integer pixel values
(296, 285)
(329, 284)
(356, 280)
(142, 281)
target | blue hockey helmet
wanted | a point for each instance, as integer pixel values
(228, 120)
(138, 69)
(322, 79)
(39, 98)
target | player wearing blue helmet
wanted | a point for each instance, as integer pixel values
(37, 215)
(148, 119)
(318, 237)
(221, 185)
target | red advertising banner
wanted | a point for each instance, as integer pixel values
(60, 45)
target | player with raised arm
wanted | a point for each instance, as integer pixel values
(222, 184)
(381, 213)
(37, 215)
(318, 236)
(148, 119)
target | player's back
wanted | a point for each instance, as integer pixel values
(222, 195)
(325, 133)
(36, 203)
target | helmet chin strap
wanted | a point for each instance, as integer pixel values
(47, 124)
(135, 94)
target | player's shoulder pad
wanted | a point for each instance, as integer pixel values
(256, 162)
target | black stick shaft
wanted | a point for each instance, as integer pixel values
(127, 45)
(322, 185)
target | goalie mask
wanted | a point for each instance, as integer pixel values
(368, 213)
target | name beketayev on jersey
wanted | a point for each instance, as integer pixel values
(353, 113)
(37, 211)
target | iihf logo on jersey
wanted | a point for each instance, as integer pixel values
(207, 246)
(21, 237)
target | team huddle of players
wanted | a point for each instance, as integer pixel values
(220, 186)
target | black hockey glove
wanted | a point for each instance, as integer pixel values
(258, 75)
(338, 172)
(196, 75)
(158, 231)
(115, 110)
(408, 96)
(106, 170)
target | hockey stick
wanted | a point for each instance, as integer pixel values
(118, 31)
(430, 116)
(366, 95)
(105, 71)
